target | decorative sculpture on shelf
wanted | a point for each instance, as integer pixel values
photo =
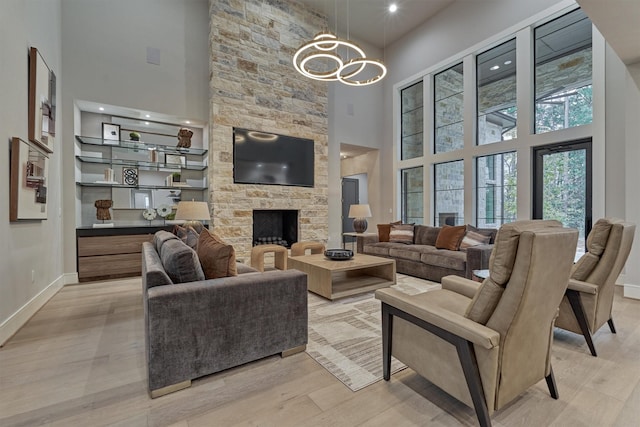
(103, 206)
(184, 137)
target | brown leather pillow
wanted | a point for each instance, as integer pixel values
(384, 230)
(216, 257)
(450, 237)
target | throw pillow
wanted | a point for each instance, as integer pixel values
(401, 233)
(450, 237)
(384, 230)
(473, 237)
(188, 235)
(216, 257)
(180, 262)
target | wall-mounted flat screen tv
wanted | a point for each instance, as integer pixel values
(269, 158)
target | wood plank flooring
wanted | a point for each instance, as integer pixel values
(80, 362)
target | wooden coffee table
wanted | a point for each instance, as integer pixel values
(337, 279)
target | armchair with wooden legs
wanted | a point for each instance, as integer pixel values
(487, 344)
(588, 301)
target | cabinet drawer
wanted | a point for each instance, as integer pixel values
(110, 265)
(108, 245)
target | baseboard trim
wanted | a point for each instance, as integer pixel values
(16, 321)
(70, 279)
(631, 291)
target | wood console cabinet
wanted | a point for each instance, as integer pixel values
(109, 253)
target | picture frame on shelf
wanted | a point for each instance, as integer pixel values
(41, 102)
(130, 176)
(28, 181)
(110, 131)
(174, 159)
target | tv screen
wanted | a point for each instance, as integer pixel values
(269, 158)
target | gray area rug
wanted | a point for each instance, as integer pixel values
(345, 335)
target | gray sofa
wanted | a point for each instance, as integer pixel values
(205, 326)
(422, 259)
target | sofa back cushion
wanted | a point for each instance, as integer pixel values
(216, 257)
(160, 237)
(425, 235)
(450, 237)
(180, 262)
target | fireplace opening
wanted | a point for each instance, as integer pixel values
(275, 227)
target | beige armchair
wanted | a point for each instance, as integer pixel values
(486, 344)
(589, 298)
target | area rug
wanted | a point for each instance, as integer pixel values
(345, 335)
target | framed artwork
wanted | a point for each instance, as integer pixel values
(28, 181)
(42, 98)
(110, 132)
(172, 159)
(130, 176)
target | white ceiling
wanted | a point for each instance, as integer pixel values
(370, 21)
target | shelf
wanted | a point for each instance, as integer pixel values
(138, 145)
(139, 187)
(145, 164)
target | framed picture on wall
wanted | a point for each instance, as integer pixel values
(173, 159)
(41, 116)
(110, 132)
(28, 181)
(130, 176)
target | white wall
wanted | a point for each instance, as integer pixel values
(28, 246)
(104, 57)
(632, 174)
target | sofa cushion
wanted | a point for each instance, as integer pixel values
(484, 302)
(187, 234)
(597, 239)
(425, 234)
(379, 248)
(384, 230)
(473, 237)
(410, 252)
(401, 233)
(180, 262)
(454, 260)
(160, 237)
(450, 237)
(216, 257)
(584, 266)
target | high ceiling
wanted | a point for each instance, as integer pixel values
(371, 22)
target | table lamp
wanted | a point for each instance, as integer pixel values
(193, 212)
(359, 213)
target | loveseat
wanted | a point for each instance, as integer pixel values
(420, 256)
(201, 326)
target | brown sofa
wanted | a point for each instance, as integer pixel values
(422, 259)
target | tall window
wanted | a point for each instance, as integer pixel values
(448, 108)
(563, 73)
(412, 122)
(412, 195)
(449, 193)
(496, 190)
(496, 92)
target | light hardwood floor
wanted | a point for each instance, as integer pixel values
(80, 362)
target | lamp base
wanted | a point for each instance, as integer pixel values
(360, 225)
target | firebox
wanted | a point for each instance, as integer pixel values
(275, 227)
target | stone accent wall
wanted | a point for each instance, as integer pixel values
(253, 85)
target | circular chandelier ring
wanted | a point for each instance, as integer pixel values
(321, 43)
(363, 62)
(327, 75)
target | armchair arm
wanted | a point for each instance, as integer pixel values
(456, 324)
(478, 258)
(460, 285)
(580, 286)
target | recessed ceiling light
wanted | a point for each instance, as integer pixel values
(187, 121)
(495, 67)
(507, 62)
(393, 7)
(147, 116)
(146, 123)
(101, 108)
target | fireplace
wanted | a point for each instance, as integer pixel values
(275, 227)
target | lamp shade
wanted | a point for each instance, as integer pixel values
(193, 211)
(359, 211)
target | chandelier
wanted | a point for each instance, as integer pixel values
(347, 62)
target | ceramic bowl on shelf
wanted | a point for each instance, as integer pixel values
(149, 214)
(164, 210)
(338, 254)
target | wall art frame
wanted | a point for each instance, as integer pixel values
(110, 132)
(42, 102)
(28, 181)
